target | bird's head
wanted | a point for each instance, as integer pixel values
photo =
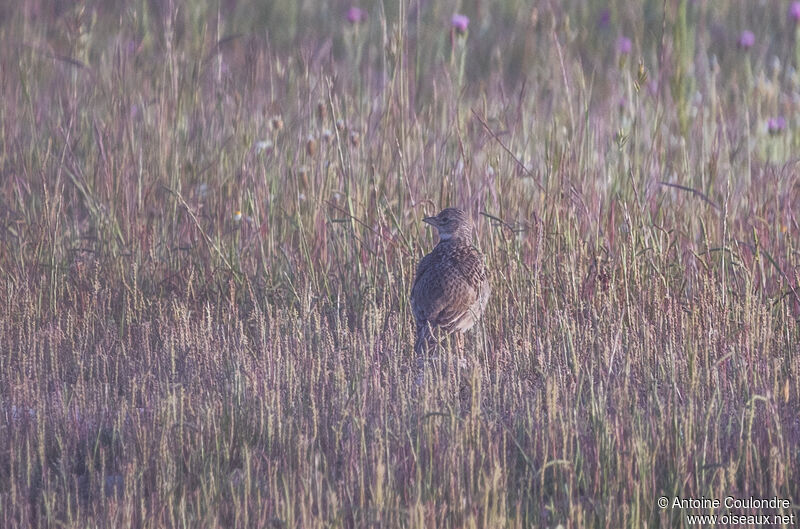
(451, 223)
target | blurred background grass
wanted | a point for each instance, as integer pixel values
(210, 217)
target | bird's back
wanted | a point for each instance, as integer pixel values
(451, 288)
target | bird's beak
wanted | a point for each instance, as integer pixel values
(430, 220)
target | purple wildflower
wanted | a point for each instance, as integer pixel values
(131, 47)
(794, 12)
(747, 39)
(604, 19)
(460, 23)
(356, 15)
(624, 45)
(776, 125)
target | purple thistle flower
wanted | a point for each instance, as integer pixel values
(356, 15)
(624, 45)
(747, 39)
(460, 23)
(776, 125)
(794, 12)
(604, 19)
(130, 47)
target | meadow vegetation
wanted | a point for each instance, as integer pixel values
(210, 217)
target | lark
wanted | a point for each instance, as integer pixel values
(451, 289)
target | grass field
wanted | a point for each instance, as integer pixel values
(210, 218)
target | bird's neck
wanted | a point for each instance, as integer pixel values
(454, 238)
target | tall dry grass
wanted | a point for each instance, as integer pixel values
(210, 218)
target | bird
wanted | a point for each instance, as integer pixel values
(451, 288)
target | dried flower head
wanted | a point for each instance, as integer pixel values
(263, 146)
(302, 177)
(311, 145)
(276, 123)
